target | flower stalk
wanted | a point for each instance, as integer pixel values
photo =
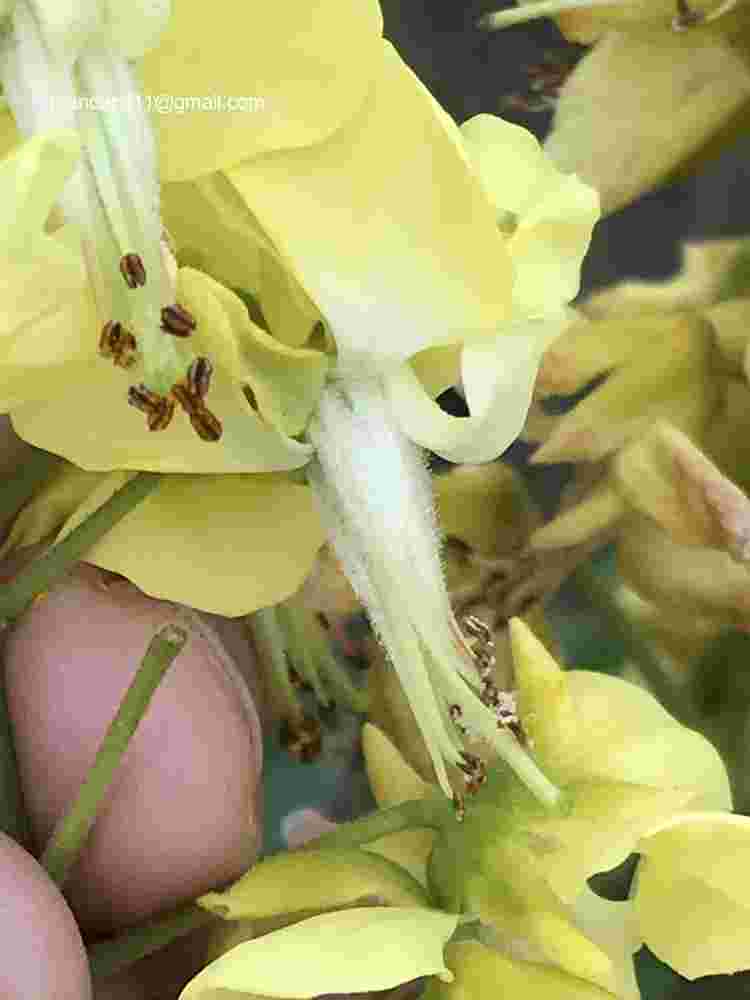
(69, 837)
(43, 572)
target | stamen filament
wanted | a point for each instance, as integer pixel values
(544, 8)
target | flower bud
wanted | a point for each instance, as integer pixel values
(183, 814)
(665, 476)
(43, 954)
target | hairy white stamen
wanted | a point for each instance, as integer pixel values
(375, 493)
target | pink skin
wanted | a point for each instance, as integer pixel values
(184, 813)
(43, 954)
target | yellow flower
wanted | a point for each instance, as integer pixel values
(207, 540)
(653, 61)
(512, 877)
(362, 203)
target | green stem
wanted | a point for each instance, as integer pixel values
(36, 468)
(432, 813)
(271, 646)
(637, 647)
(40, 574)
(109, 957)
(70, 834)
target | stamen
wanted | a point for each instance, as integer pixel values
(132, 270)
(175, 319)
(198, 379)
(302, 738)
(118, 344)
(686, 17)
(206, 425)
(534, 11)
(159, 410)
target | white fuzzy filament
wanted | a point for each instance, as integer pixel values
(375, 494)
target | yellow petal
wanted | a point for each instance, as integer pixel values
(314, 880)
(392, 782)
(586, 725)
(498, 376)
(601, 830)
(612, 926)
(386, 227)
(52, 505)
(479, 972)
(693, 894)
(306, 70)
(224, 544)
(705, 266)
(286, 381)
(216, 233)
(609, 123)
(670, 379)
(334, 953)
(486, 507)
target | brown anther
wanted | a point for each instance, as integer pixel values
(686, 17)
(458, 805)
(206, 425)
(159, 410)
(455, 713)
(198, 379)
(118, 344)
(177, 321)
(478, 629)
(132, 270)
(302, 738)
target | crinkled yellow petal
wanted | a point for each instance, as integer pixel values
(205, 219)
(498, 378)
(693, 894)
(549, 214)
(592, 726)
(549, 244)
(86, 417)
(286, 381)
(216, 232)
(386, 227)
(314, 880)
(606, 819)
(303, 72)
(351, 951)
(481, 973)
(510, 163)
(392, 782)
(609, 122)
(224, 544)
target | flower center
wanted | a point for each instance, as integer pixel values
(114, 199)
